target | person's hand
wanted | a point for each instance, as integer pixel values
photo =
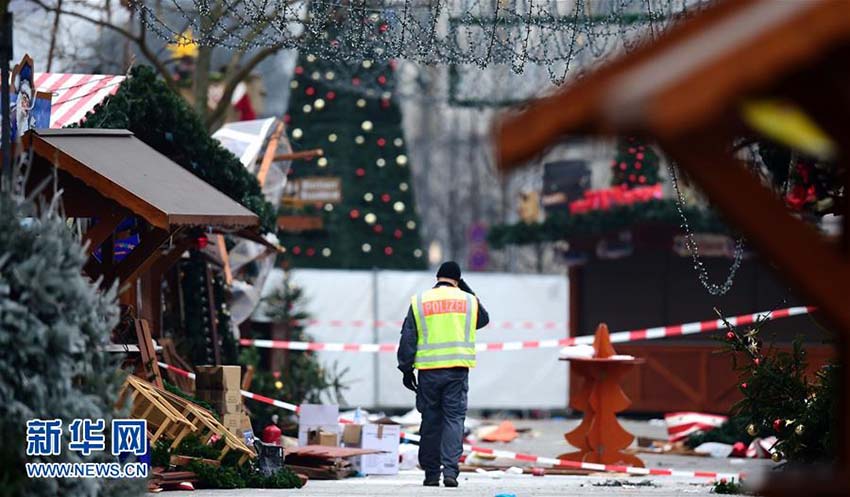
(409, 381)
(463, 286)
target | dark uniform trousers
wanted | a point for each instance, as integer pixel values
(441, 398)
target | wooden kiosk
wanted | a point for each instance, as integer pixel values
(685, 91)
(109, 177)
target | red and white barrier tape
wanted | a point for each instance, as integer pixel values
(617, 337)
(395, 324)
(611, 468)
(516, 456)
(245, 393)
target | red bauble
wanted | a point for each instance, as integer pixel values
(360, 172)
(632, 150)
(743, 386)
(296, 250)
(385, 198)
(632, 178)
(623, 166)
(757, 361)
(382, 80)
(641, 179)
(381, 142)
(384, 28)
(777, 425)
(639, 156)
(355, 81)
(287, 118)
(378, 228)
(354, 214)
(730, 335)
(310, 91)
(299, 70)
(385, 103)
(388, 250)
(398, 234)
(638, 165)
(330, 95)
(738, 449)
(311, 252)
(201, 242)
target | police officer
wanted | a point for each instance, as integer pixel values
(438, 339)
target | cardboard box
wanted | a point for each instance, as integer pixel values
(317, 416)
(220, 396)
(352, 435)
(236, 421)
(224, 402)
(218, 378)
(384, 438)
(322, 437)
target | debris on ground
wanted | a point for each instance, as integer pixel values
(321, 462)
(625, 483)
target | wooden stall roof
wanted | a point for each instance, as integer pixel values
(121, 167)
(690, 75)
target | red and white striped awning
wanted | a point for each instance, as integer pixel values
(74, 95)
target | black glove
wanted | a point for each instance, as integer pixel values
(409, 381)
(463, 286)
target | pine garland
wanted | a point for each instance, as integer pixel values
(166, 122)
(565, 226)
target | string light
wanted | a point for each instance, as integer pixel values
(693, 247)
(483, 33)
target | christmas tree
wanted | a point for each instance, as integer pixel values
(301, 378)
(375, 222)
(54, 325)
(781, 399)
(636, 164)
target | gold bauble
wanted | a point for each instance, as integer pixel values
(776, 457)
(751, 430)
(799, 430)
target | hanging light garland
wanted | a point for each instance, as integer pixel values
(692, 246)
(552, 34)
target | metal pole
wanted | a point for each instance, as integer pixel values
(6, 56)
(376, 359)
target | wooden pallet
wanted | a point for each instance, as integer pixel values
(147, 402)
(175, 417)
(210, 427)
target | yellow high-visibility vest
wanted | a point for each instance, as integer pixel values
(446, 319)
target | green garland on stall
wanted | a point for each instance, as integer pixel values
(165, 121)
(564, 226)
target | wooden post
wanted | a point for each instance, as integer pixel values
(600, 438)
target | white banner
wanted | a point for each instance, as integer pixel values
(526, 379)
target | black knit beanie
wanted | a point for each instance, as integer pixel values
(449, 269)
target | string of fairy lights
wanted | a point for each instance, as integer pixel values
(552, 34)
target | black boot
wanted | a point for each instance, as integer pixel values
(450, 481)
(432, 482)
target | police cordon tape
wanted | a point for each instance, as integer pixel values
(617, 337)
(516, 456)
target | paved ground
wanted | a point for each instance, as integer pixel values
(546, 439)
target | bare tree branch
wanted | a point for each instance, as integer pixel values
(234, 78)
(139, 40)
